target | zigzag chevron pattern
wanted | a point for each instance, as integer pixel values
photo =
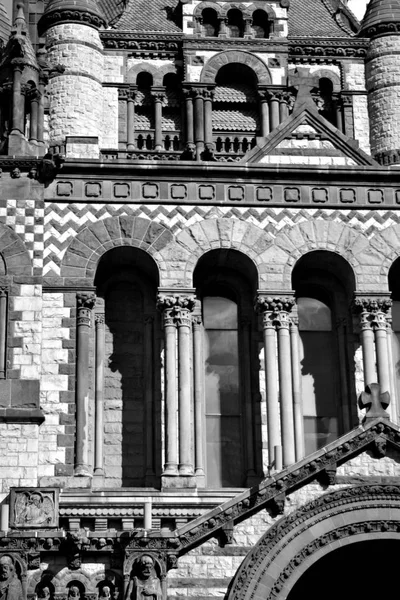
(62, 222)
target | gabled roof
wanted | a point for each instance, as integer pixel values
(330, 18)
(307, 125)
(139, 18)
(320, 18)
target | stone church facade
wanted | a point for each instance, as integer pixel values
(199, 299)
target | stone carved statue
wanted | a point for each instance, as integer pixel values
(44, 593)
(10, 585)
(33, 508)
(105, 593)
(144, 583)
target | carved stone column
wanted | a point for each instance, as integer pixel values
(276, 321)
(198, 394)
(99, 393)
(189, 119)
(264, 97)
(158, 94)
(149, 398)
(199, 121)
(296, 379)
(208, 131)
(245, 337)
(177, 315)
(3, 330)
(40, 132)
(274, 110)
(34, 102)
(85, 304)
(131, 94)
(17, 103)
(373, 311)
(283, 107)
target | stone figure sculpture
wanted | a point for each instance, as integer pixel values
(74, 593)
(10, 585)
(144, 584)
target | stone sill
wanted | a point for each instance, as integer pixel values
(18, 415)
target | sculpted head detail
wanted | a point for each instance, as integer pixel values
(7, 568)
(74, 593)
(146, 567)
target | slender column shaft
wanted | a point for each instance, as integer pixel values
(346, 410)
(171, 406)
(17, 111)
(339, 116)
(85, 305)
(189, 119)
(265, 127)
(367, 343)
(131, 123)
(148, 395)
(393, 389)
(382, 357)
(40, 130)
(185, 426)
(198, 372)
(246, 330)
(158, 122)
(296, 379)
(99, 394)
(3, 331)
(274, 112)
(286, 392)
(33, 133)
(271, 386)
(283, 110)
(208, 133)
(199, 124)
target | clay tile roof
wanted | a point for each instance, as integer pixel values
(5, 25)
(319, 18)
(237, 93)
(380, 12)
(235, 120)
(139, 17)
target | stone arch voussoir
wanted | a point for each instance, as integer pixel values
(212, 67)
(85, 250)
(203, 5)
(328, 74)
(142, 68)
(211, 234)
(265, 7)
(297, 541)
(14, 252)
(387, 244)
(321, 234)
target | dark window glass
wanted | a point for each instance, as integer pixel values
(222, 387)
(318, 373)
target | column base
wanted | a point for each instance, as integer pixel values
(83, 471)
(178, 482)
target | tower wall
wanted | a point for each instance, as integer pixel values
(383, 85)
(76, 95)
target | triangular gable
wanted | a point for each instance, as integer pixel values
(219, 522)
(308, 138)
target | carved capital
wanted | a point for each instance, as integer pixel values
(274, 304)
(176, 309)
(100, 319)
(374, 311)
(197, 322)
(3, 291)
(85, 304)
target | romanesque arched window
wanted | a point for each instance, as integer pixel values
(225, 283)
(324, 285)
(144, 112)
(235, 25)
(210, 22)
(127, 335)
(172, 112)
(235, 116)
(261, 25)
(394, 287)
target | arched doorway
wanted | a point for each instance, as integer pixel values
(360, 570)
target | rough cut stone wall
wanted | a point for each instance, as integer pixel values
(382, 77)
(76, 96)
(354, 81)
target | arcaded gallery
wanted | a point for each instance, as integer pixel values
(199, 299)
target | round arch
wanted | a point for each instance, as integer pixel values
(142, 68)
(212, 67)
(331, 75)
(296, 542)
(206, 4)
(387, 244)
(265, 7)
(86, 249)
(212, 234)
(352, 245)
